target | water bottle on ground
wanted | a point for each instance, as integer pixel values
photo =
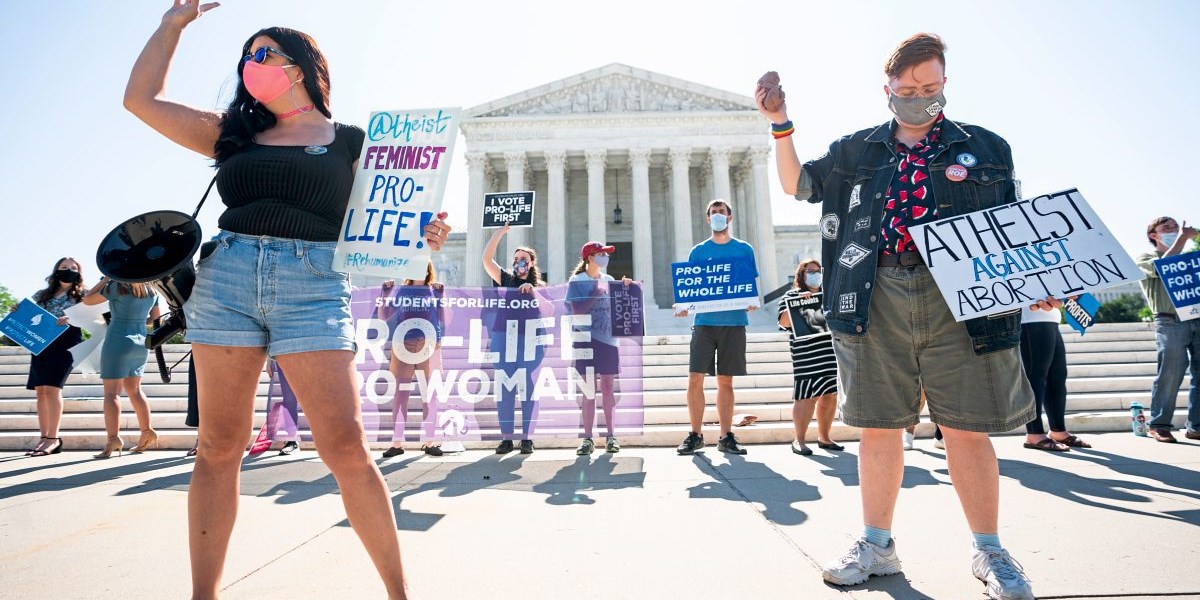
(1138, 414)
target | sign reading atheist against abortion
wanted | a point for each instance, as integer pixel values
(1003, 258)
(397, 191)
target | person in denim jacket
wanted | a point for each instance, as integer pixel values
(893, 332)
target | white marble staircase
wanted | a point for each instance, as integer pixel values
(1109, 368)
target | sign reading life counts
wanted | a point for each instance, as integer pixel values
(31, 326)
(1010, 256)
(398, 188)
(1181, 276)
(514, 209)
(714, 285)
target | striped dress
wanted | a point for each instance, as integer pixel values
(813, 364)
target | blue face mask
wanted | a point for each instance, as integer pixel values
(813, 279)
(1168, 239)
(718, 222)
(521, 267)
(602, 261)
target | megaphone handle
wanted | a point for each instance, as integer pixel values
(163, 372)
(205, 196)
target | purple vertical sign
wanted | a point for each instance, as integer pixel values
(438, 363)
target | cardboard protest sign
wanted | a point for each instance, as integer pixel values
(796, 308)
(1081, 312)
(715, 285)
(513, 208)
(1181, 276)
(31, 326)
(1006, 257)
(397, 191)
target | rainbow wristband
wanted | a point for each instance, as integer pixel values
(782, 130)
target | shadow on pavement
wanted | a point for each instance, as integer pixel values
(844, 467)
(745, 481)
(109, 473)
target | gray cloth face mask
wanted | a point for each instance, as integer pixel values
(916, 111)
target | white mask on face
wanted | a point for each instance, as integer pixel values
(1168, 239)
(718, 222)
(813, 279)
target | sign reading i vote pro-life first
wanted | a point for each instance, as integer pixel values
(514, 209)
(1181, 276)
(31, 326)
(714, 285)
(1006, 257)
(397, 191)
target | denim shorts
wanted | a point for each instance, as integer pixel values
(277, 293)
(914, 344)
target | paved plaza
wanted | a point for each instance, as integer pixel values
(1116, 521)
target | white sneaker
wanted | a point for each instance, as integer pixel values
(861, 561)
(908, 440)
(940, 444)
(1001, 574)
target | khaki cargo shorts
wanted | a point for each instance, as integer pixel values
(912, 342)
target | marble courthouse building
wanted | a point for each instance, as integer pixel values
(628, 157)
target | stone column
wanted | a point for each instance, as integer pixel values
(744, 206)
(476, 171)
(643, 246)
(719, 160)
(556, 213)
(767, 269)
(681, 202)
(595, 170)
(517, 236)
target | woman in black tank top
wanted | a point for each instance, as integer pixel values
(286, 173)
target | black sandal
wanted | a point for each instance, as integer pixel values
(1073, 442)
(35, 446)
(53, 449)
(1047, 444)
(830, 446)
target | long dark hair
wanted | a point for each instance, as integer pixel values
(581, 267)
(246, 117)
(75, 291)
(535, 274)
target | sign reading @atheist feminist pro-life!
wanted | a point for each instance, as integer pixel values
(1003, 258)
(714, 285)
(31, 326)
(511, 208)
(397, 191)
(1181, 276)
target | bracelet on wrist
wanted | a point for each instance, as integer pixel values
(782, 130)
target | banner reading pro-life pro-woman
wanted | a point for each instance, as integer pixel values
(398, 188)
(439, 364)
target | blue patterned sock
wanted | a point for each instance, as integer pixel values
(986, 539)
(877, 536)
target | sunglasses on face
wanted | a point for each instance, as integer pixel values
(260, 55)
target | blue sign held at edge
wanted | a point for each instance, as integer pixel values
(31, 326)
(1081, 312)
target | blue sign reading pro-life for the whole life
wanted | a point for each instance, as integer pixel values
(1181, 276)
(714, 285)
(31, 326)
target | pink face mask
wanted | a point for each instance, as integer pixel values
(265, 82)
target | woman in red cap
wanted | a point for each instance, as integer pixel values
(588, 294)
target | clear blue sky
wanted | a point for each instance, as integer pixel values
(1098, 95)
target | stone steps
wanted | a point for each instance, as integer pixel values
(1109, 368)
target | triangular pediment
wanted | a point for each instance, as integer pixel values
(615, 88)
